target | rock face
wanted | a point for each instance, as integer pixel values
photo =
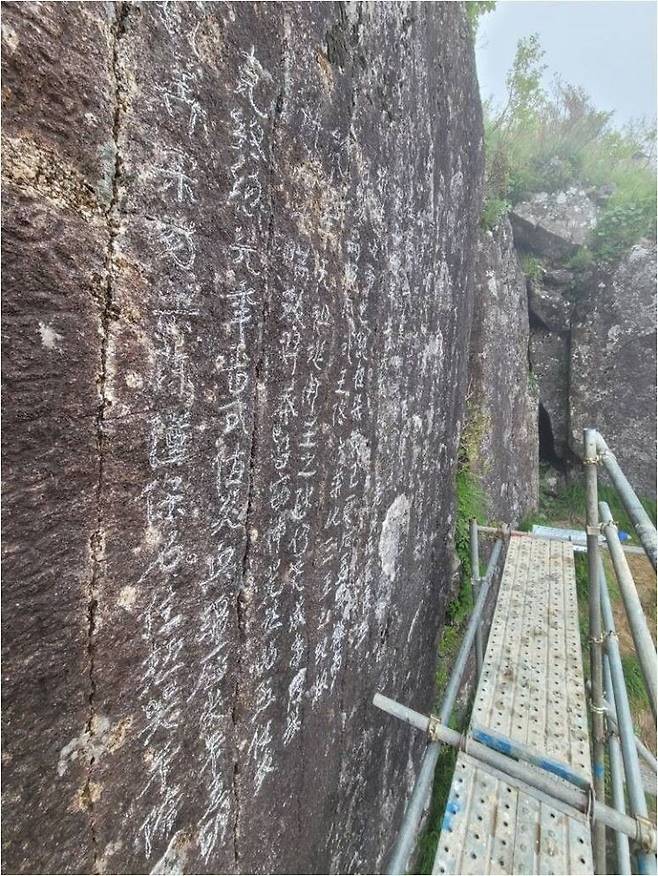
(554, 225)
(550, 308)
(238, 273)
(592, 338)
(502, 409)
(613, 365)
(549, 359)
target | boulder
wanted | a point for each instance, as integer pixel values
(613, 365)
(239, 256)
(548, 307)
(561, 278)
(554, 225)
(502, 410)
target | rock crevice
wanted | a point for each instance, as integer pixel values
(258, 405)
(107, 314)
(591, 330)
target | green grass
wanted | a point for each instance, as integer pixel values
(547, 141)
(494, 211)
(619, 515)
(582, 590)
(532, 267)
(637, 694)
(470, 504)
(569, 506)
(445, 768)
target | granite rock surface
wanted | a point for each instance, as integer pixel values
(613, 365)
(554, 224)
(238, 285)
(502, 407)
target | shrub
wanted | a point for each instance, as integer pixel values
(494, 210)
(532, 267)
(581, 260)
(541, 141)
(475, 9)
(622, 224)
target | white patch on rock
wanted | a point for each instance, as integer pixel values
(174, 859)
(433, 350)
(394, 531)
(127, 597)
(111, 849)
(9, 38)
(49, 337)
(134, 380)
(152, 536)
(85, 743)
(93, 743)
(614, 333)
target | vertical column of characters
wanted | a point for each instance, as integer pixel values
(169, 495)
(288, 497)
(360, 280)
(356, 580)
(344, 409)
(240, 290)
(304, 471)
(370, 184)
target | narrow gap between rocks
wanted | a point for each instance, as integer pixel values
(547, 452)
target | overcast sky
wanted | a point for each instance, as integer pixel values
(607, 47)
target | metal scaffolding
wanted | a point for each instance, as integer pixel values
(544, 776)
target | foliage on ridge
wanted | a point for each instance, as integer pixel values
(550, 140)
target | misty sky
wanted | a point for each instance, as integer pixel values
(607, 47)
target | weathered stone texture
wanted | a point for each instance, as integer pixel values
(556, 224)
(549, 307)
(57, 128)
(613, 365)
(592, 337)
(549, 359)
(233, 397)
(502, 407)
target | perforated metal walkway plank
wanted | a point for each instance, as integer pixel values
(532, 690)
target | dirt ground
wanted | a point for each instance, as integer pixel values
(645, 581)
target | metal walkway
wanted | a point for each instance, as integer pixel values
(528, 796)
(531, 690)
